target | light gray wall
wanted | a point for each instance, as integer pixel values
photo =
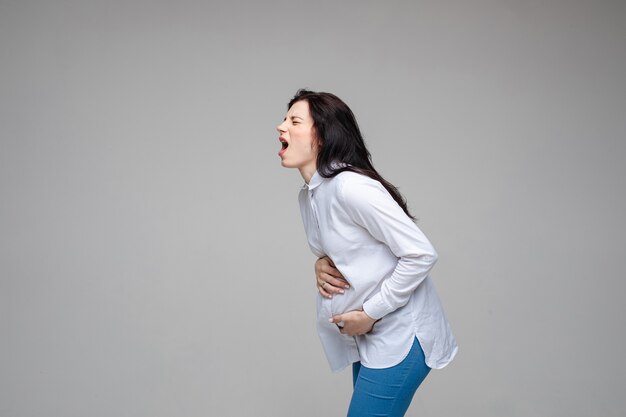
(152, 260)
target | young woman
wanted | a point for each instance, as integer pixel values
(377, 309)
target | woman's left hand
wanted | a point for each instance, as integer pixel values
(353, 323)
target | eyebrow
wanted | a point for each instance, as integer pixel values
(294, 116)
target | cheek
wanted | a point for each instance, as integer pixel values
(304, 143)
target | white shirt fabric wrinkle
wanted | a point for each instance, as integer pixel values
(386, 258)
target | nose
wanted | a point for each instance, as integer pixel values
(281, 128)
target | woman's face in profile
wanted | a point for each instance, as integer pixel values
(299, 146)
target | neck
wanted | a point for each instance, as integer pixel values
(307, 172)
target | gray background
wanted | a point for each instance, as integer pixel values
(152, 259)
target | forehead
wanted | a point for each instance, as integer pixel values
(299, 109)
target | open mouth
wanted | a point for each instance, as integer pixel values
(284, 145)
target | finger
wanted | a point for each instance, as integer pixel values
(331, 271)
(331, 284)
(338, 321)
(324, 293)
(336, 318)
(335, 282)
(332, 275)
(331, 289)
(326, 289)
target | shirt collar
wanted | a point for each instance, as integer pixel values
(315, 180)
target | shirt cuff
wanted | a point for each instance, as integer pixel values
(376, 308)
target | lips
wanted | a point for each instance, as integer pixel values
(284, 144)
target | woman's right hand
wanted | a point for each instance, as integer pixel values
(329, 279)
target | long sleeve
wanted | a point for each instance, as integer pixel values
(369, 205)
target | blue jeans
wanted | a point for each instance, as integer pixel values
(387, 392)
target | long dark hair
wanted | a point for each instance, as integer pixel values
(340, 140)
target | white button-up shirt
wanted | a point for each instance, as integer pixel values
(384, 256)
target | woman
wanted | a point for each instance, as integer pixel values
(385, 317)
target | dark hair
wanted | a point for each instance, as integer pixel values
(339, 140)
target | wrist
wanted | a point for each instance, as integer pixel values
(366, 316)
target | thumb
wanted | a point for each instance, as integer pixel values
(336, 318)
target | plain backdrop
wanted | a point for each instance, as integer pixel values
(152, 257)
